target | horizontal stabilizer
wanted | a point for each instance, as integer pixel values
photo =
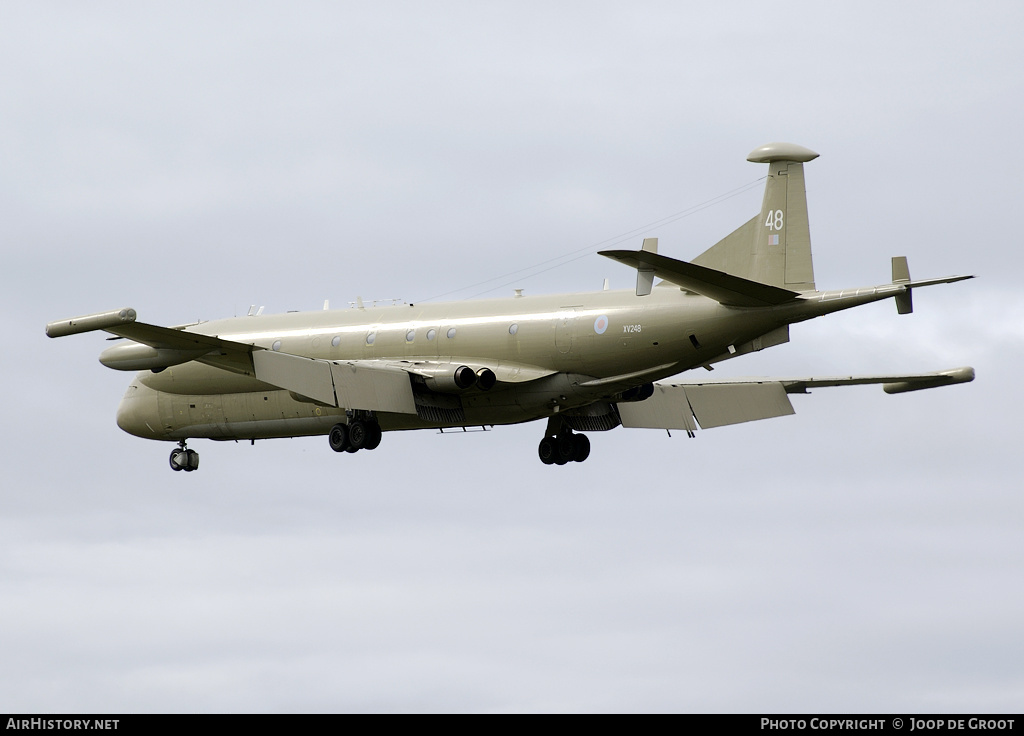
(725, 288)
(901, 276)
(941, 280)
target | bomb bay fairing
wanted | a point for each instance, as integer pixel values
(583, 362)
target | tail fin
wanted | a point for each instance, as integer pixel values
(775, 246)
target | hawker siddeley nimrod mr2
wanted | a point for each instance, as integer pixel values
(584, 362)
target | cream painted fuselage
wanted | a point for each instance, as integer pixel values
(541, 348)
(549, 353)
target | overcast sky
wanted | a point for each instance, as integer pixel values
(191, 159)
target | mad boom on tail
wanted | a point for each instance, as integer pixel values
(585, 362)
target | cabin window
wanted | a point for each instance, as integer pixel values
(513, 328)
(410, 335)
(336, 341)
(431, 334)
(370, 338)
(451, 332)
(276, 346)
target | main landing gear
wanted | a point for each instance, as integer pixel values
(564, 447)
(360, 434)
(183, 458)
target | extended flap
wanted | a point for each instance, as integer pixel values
(345, 385)
(373, 388)
(305, 376)
(716, 405)
(676, 406)
(667, 408)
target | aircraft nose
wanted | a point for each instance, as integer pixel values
(139, 414)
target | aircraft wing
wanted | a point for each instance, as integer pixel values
(122, 322)
(720, 403)
(156, 346)
(347, 384)
(891, 384)
(373, 385)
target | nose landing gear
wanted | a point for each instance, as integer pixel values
(183, 458)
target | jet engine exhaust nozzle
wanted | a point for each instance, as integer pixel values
(485, 379)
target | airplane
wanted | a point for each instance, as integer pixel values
(584, 362)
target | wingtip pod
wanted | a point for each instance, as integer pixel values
(781, 152)
(90, 322)
(942, 378)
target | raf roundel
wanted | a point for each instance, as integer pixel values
(601, 324)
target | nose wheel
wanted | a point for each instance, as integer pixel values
(183, 458)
